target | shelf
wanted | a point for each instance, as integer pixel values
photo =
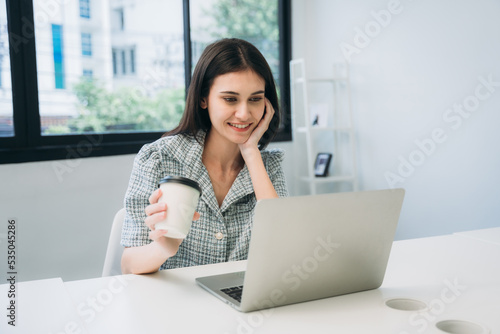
(337, 139)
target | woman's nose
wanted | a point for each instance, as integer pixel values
(242, 111)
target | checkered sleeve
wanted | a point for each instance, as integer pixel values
(143, 181)
(273, 160)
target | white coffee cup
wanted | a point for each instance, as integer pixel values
(181, 196)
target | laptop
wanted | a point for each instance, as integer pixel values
(310, 247)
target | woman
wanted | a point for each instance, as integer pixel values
(231, 115)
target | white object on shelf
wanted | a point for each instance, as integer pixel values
(334, 117)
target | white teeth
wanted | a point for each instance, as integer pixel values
(240, 126)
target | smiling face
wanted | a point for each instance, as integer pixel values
(236, 104)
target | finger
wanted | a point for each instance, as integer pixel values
(155, 208)
(196, 216)
(266, 120)
(154, 235)
(155, 196)
(269, 108)
(152, 220)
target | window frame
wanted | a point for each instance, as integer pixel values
(29, 145)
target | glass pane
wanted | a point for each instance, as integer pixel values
(6, 111)
(109, 66)
(255, 21)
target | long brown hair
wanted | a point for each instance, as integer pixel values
(221, 57)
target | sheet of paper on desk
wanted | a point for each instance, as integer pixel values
(42, 306)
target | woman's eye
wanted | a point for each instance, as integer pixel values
(256, 99)
(229, 99)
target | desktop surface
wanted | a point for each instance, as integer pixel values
(455, 279)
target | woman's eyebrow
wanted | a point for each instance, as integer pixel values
(235, 93)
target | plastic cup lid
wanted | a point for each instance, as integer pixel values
(182, 180)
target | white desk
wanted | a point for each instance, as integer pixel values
(424, 269)
(487, 234)
(42, 306)
(458, 278)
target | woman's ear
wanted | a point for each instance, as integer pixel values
(203, 103)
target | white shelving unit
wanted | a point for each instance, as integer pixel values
(338, 131)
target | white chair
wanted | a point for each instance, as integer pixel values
(112, 262)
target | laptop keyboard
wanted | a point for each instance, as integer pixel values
(234, 292)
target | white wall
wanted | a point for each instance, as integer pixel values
(427, 58)
(63, 211)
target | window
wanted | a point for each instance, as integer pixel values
(87, 73)
(115, 63)
(123, 85)
(85, 9)
(256, 22)
(117, 19)
(86, 44)
(132, 60)
(124, 61)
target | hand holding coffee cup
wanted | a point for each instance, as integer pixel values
(181, 197)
